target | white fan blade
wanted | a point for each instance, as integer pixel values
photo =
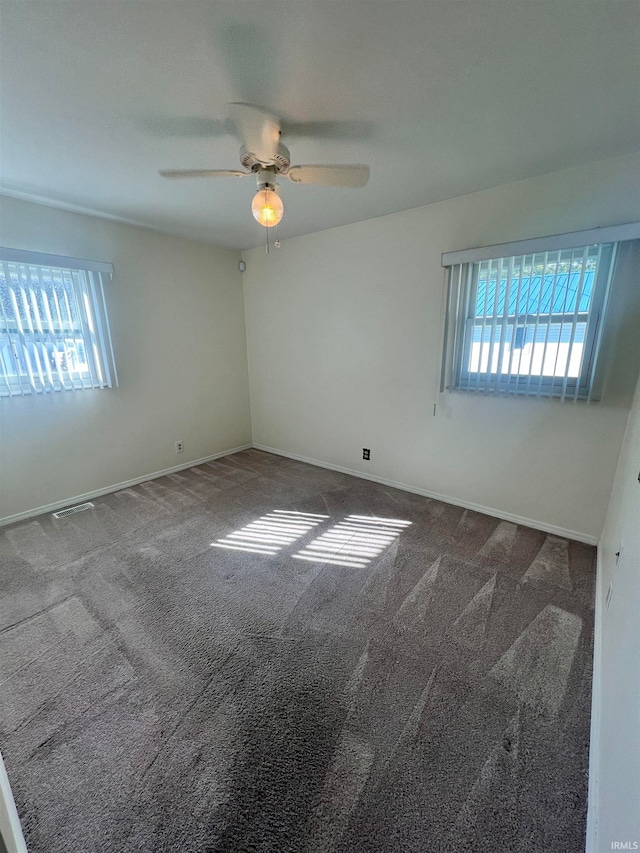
(260, 130)
(203, 173)
(330, 176)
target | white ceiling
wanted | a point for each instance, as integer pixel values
(440, 98)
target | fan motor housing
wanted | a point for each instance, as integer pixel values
(281, 159)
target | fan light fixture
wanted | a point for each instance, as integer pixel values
(263, 155)
(267, 206)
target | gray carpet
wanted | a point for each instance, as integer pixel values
(261, 655)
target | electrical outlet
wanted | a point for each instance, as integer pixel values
(179, 446)
(366, 453)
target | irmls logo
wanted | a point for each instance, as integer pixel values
(625, 845)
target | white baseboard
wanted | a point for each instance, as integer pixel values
(126, 484)
(10, 828)
(596, 711)
(488, 510)
(115, 487)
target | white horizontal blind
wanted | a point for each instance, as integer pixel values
(54, 330)
(528, 323)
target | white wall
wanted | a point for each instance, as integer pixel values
(615, 793)
(344, 340)
(177, 320)
(10, 829)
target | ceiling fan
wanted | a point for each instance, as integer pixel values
(263, 154)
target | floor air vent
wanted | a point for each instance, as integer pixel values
(72, 509)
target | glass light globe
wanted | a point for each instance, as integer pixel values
(267, 207)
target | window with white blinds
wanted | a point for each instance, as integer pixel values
(529, 322)
(54, 329)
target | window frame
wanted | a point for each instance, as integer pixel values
(32, 336)
(460, 308)
(534, 384)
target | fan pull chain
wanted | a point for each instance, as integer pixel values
(276, 242)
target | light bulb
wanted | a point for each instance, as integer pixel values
(267, 207)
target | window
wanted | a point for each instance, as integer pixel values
(528, 321)
(54, 330)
